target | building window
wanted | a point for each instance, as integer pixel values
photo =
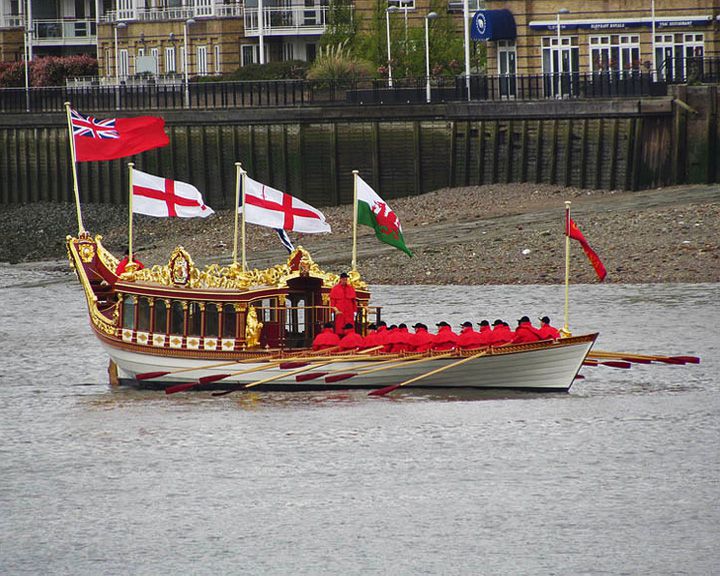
(288, 52)
(108, 71)
(124, 63)
(403, 4)
(615, 53)
(679, 56)
(218, 69)
(183, 61)
(202, 62)
(560, 65)
(249, 54)
(170, 60)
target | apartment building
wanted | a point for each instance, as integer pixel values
(132, 38)
(528, 37)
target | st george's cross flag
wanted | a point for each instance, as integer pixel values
(162, 197)
(573, 232)
(373, 211)
(266, 206)
(113, 138)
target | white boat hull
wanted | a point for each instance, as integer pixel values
(532, 367)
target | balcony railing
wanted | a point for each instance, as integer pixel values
(294, 93)
(66, 31)
(199, 10)
(295, 20)
(12, 21)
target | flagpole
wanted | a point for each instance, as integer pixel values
(238, 170)
(242, 227)
(81, 228)
(355, 217)
(566, 327)
(131, 165)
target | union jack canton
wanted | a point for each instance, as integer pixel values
(92, 127)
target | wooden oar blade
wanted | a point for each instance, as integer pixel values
(339, 377)
(689, 359)
(671, 360)
(311, 376)
(384, 391)
(212, 378)
(579, 377)
(180, 387)
(616, 363)
(637, 360)
(291, 365)
(150, 375)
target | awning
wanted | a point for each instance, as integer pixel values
(493, 25)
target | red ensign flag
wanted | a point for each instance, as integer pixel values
(573, 231)
(115, 137)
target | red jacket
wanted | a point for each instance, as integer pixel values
(501, 334)
(351, 340)
(468, 338)
(526, 332)
(342, 297)
(124, 262)
(548, 332)
(485, 336)
(400, 340)
(326, 339)
(422, 340)
(445, 339)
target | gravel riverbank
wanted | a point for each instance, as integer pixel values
(493, 234)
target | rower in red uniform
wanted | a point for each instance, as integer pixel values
(547, 331)
(400, 340)
(445, 339)
(126, 260)
(468, 338)
(422, 340)
(526, 332)
(344, 301)
(501, 333)
(371, 336)
(326, 339)
(485, 334)
(351, 340)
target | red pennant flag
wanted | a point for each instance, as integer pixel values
(574, 232)
(115, 137)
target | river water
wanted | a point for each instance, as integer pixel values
(620, 476)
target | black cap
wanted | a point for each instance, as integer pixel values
(466, 325)
(442, 323)
(382, 323)
(498, 322)
(348, 325)
(344, 275)
(419, 325)
(403, 325)
(328, 325)
(484, 323)
(524, 319)
(545, 320)
(392, 327)
(372, 327)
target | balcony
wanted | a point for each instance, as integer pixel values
(293, 21)
(201, 9)
(11, 21)
(66, 32)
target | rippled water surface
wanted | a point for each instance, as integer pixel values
(618, 477)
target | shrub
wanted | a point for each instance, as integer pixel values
(12, 74)
(288, 70)
(337, 64)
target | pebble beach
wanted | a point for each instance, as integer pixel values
(491, 234)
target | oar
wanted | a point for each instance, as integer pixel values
(388, 389)
(330, 374)
(407, 361)
(151, 375)
(304, 361)
(645, 357)
(612, 363)
(215, 377)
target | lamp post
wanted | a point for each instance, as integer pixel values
(27, 40)
(430, 16)
(189, 22)
(388, 11)
(466, 41)
(654, 53)
(261, 32)
(559, 50)
(117, 66)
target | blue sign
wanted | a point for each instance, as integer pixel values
(493, 25)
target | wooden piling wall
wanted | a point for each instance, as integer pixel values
(398, 150)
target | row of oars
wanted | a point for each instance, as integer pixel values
(303, 366)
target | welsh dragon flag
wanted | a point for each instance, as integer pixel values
(373, 211)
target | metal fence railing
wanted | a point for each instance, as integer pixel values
(295, 93)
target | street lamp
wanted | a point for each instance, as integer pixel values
(117, 67)
(189, 22)
(430, 16)
(654, 53)
(388, 11)
(26, 38)
(466, 41)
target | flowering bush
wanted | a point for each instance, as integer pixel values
(12, 74)
(54, 70)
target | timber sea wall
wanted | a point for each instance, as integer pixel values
(627, 144)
